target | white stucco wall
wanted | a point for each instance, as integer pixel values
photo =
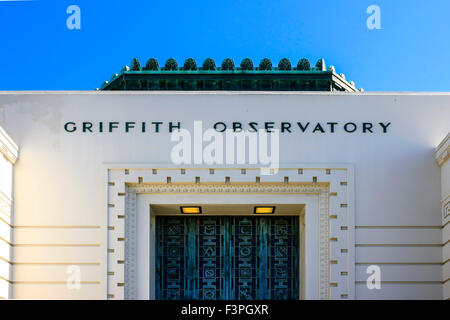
(58, 180)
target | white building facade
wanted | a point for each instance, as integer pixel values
(92, 177)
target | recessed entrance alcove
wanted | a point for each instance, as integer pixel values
(304, 250)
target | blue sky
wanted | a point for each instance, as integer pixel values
(411, 51)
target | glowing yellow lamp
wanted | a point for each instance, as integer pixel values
(191, 210)
(264, 210)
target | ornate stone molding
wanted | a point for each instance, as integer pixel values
(324, 237)
(130, 244)
(442, 152)
(446, 209)
(130, 221)
(7, 147)
(224, 188)
(5, 207)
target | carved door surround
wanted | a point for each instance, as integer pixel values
(331, 185)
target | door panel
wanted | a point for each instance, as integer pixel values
(211, 261)
(227, 258)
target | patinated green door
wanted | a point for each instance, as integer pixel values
(227, 258)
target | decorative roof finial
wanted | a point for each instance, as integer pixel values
(190, 64)
(228, 64)
(171, 64)
(105, 83)
(152, 65)
(135, 65)
(284, 64)
(265, 64)
(320, 65)
(247, 64)
(209, 64)
(303, 65)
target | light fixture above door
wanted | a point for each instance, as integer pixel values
(264, 210)
(191, 209)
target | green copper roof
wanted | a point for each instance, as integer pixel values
(227, 76)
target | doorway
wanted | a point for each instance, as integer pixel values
(227, 257)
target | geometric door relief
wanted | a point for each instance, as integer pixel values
(227, 258)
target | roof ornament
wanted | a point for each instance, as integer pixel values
(265, 64)
(247, 64)
(171, 65)
(105, 83)
(320, 65)
(303, 65)
(190, 64)
(228, 64)
(152, 65)
(209, 64)
(284, 64)
(135, 65)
